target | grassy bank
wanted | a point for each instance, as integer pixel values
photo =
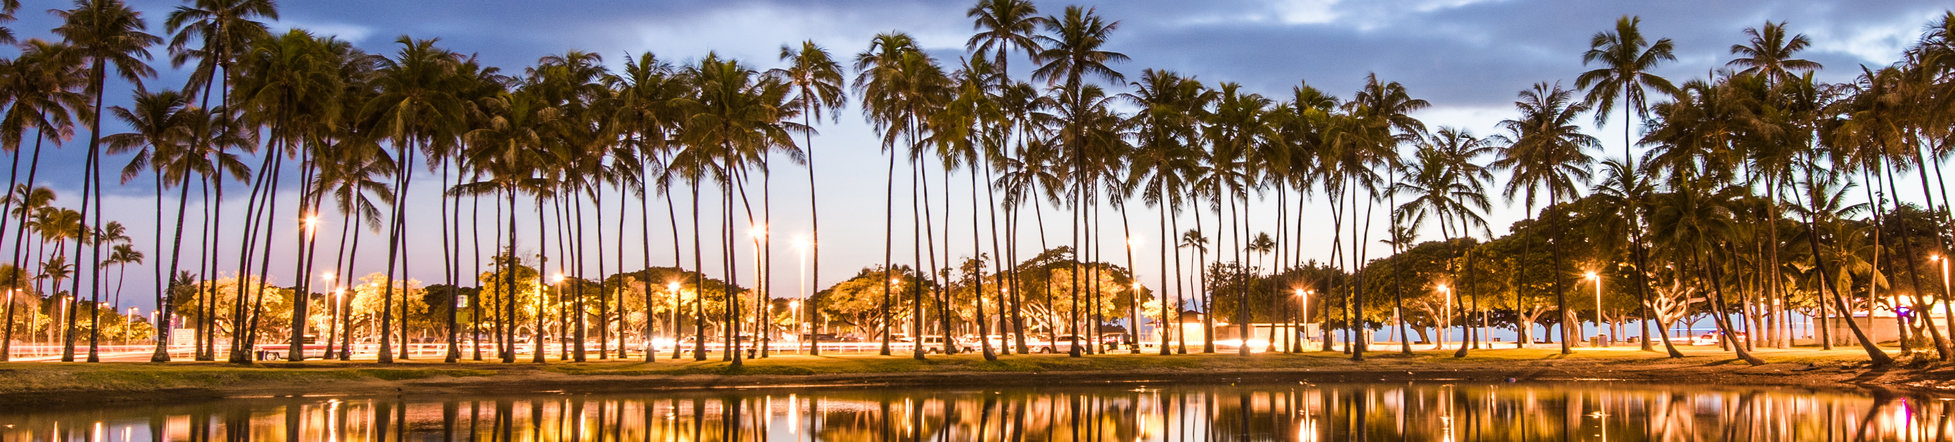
(40, 383)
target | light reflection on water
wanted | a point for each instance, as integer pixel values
(1436, 412)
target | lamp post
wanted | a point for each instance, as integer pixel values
(801, 286)
(1598, 302)
(563, 347)
(1946, 307)
(764, 297)
(673, 288)
(1446, 314)
(1303, 310)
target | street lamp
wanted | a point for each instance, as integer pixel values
(1598, 301)
(1447, 313)
(673, 287)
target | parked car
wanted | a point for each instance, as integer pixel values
(1710, 338)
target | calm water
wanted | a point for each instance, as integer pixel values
(1290, 412)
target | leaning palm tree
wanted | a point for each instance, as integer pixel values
(102, 33)
(817, 82)
(1544, 149)
(1687, 223)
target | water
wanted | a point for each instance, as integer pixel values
(1290, 412)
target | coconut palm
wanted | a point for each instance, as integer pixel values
(1544, 149)
(1447, 184)
(1378, 121)
(215, 33)
(817, 82)
(159, 127)
(647, 97)
(102, 33)
(413, 105)
(1166, 126)
(899, 85)
(1771, 54)
(45, 86)
(1688, 222)
(290, 86)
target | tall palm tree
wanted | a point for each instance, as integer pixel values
(1771, 54)
(45, 86)
(1379, 120)
(1544, 149)
(817, 82)
(899, 85)
(102, 33)
(215, 33)
(1447, 184)
(1166, 126)
(1625, 59)
(413, 105)
(1073, 48)
(160, 127)
(290, 86)
(1003, 26)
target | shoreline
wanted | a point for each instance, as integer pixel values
(32, 384)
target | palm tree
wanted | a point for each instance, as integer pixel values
(1166, 128)
(648, 95)
(1770, 54)
(221, 30)
(102, 33)
(508, 150)
(1447, 184)
(1625, 59)
(1545, 152)
(45, 86)
(159, 128)
(1379, 119)
(1072, 49)
(899, 86)
(290, 84)
(1235, 131)
(414, 105)
(817, 82)
(1687, 222)
(1622, 187)
(1193, 239)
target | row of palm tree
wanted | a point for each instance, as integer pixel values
(569, 135)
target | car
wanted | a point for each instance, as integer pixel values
(1710, 338)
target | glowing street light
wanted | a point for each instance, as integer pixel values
(1598, 300)
(1445, 293)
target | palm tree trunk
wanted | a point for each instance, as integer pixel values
(698, 281)
(1877, 357)
(1722, 320)
(395, 226)
(888, 246)
(20, 236)
(977, 252)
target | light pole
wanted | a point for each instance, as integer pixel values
(1447, 315)
(1949, 309)
(1303, 311)
(765, 297)
(1598, 302)
(673, 288)
(801, 286)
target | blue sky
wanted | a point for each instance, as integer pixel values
(1468, 57)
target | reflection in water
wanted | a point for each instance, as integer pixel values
(1436, 412)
